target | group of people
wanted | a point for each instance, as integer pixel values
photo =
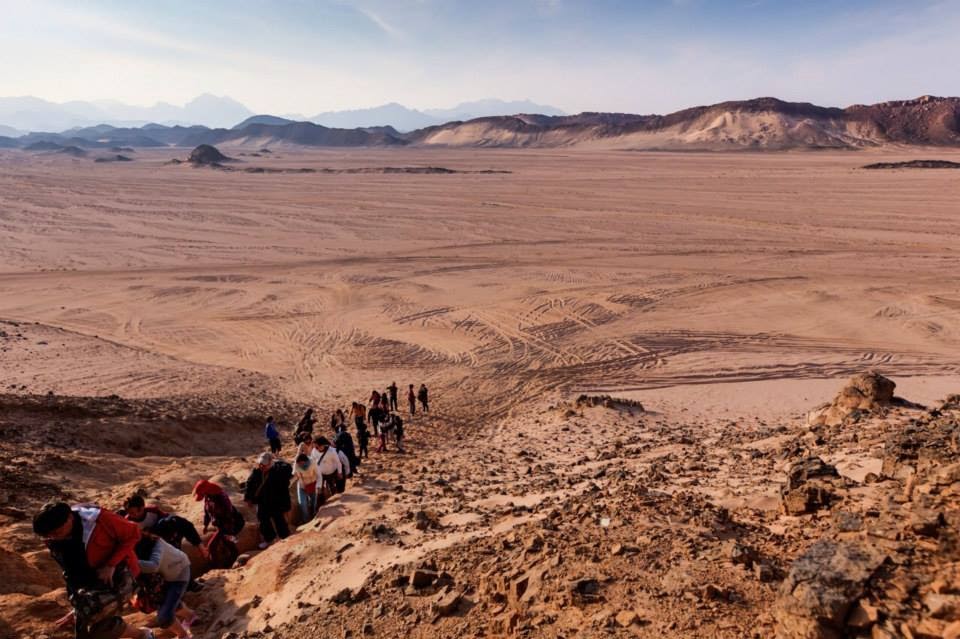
(135, 555)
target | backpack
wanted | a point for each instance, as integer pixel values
(285, 471)
(93, 606)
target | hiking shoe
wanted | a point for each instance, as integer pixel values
(262, 545)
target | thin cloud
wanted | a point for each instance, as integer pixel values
(379, 21)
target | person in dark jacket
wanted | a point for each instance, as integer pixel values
(412, 399)
(268, 486)
(422, 396)
(95, 549)
(343, 441)
(394, 391)
(305, 425)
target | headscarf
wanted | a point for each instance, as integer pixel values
(204, 488)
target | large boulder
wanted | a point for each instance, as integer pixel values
(864, 393)
(821, 589)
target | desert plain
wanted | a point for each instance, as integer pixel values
(152, 315)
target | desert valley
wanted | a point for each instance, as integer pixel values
(628, 353)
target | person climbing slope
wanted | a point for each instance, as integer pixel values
(329, 467)
(272, 435)
(95, 548)
(393, 395)
(268, 486)
(305, 471)
(219, 512)
(156, 556)
(422, 396)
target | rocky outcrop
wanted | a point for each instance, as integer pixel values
(207, 155)
(865, 393)
(809, 487)
(821, 589)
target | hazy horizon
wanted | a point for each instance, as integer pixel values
(654, 56)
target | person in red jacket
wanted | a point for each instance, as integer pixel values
(95, 548)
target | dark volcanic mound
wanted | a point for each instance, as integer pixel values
(207, 155)
(114, 158)
(43, 145)
(74, 151)
(915, 164)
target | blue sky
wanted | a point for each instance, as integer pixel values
(614, 55)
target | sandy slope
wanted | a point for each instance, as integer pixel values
(715, 288)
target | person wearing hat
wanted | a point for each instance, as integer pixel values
(219, 512)
(268, 486)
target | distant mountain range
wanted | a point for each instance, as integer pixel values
(761, 124)
(20, 115)
(406, 119)
(34, 114)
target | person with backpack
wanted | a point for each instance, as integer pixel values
(347, 473)
(330, 468)
(157, 557)
(268, 486)
(412, 399)
(393, 395)
(273, 435)
(95, 548)
(305, 471)
(220, 512)
(422, 396)
(173, 529)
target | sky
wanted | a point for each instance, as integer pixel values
(640, 56)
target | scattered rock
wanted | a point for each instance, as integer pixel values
(809, 487)
(821, 588)
(421, 578)
(627, 618)
(447, 603)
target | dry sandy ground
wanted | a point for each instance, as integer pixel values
(718, 289)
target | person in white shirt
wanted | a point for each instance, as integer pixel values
(305, 470)
(329, 466)
(308, 448)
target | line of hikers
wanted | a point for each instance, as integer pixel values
(134, 555)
